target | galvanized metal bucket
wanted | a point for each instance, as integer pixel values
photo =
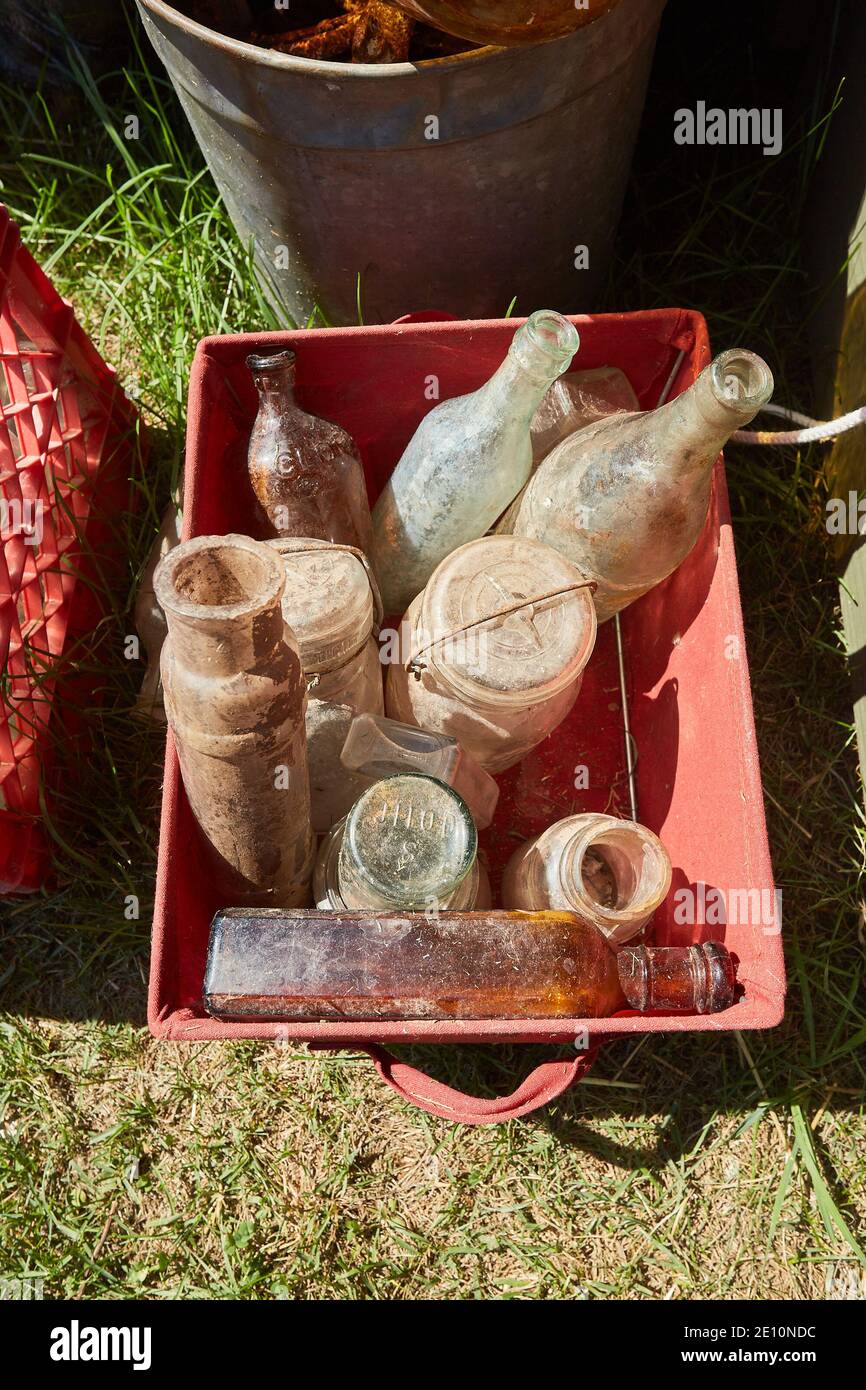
(457, 183)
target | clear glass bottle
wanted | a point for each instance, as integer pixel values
(466, 462)
(615, 873)
(305, 472)
(467, 965)
(378, 747)
(332, 606)
(626, 499)
(234, 697)
(492, 652)
(409, 842)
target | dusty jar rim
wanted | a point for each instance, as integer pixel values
(341, 633)
(583, 839)
(171, 601)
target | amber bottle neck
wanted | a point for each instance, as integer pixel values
(274, 377)
(674, 978)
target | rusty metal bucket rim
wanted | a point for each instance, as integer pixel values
(254, 53)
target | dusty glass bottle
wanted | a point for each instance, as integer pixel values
(451, 965)
(234, 697)
(615, 873)
(493, 651)
(305, 472)
(466, 462)
(626, 499)
(332, 606)
(377, 747)
(408, 842)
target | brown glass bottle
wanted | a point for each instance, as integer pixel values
(448, 965)
(305, 472)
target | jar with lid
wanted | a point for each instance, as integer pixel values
(492, 651)
(614, 872)
(331, 603)
(410, 843)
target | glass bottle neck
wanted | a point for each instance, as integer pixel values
(276, 388)
(699, 978)
(692, 430)
(223, 646)
(540, 351)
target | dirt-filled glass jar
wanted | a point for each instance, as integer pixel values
(493, 650)
(331, 603)
(615, 873)
(409, 842)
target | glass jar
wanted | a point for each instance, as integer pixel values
(613, 872)
(493, 650)
(331, 604)
(378, 747)
(408, 843)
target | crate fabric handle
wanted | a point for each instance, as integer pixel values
(538, 1089)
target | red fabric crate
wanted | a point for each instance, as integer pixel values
(66, 437)
(689, 697)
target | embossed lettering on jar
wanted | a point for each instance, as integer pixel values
(493, 651)
(409, 842)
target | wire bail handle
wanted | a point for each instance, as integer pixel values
(415, 667)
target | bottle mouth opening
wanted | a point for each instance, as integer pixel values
(552, 333)
(741, 378)
(219, 577)
(271, 362)
(618, 872)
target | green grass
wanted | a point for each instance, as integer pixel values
(684, 1167)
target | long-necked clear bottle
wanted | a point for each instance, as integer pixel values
(625, 499)
(305, 472)
(466, 462)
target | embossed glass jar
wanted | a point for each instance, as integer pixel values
(493, 650)
(408, 843)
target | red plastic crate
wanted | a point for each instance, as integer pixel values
(689, 697)
(66, 432)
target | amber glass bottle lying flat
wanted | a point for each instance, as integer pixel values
(314, 965)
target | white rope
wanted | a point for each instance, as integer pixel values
(814, 429)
